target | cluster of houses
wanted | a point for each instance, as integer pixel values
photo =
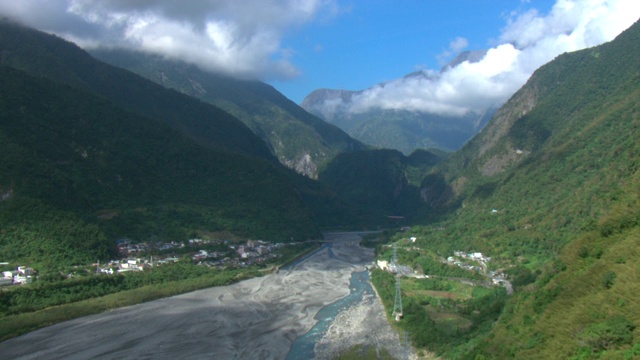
(131, 264)
(228, 255)
(127, 247)
(498, 277)
(459, 258)
(22, 275)
(247, 254)
(136, 257)
(477, 256)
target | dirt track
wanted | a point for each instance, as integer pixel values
(255, 319)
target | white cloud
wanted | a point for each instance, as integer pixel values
(459, 44)
(240, 38)
(455, 46)
(528, 41)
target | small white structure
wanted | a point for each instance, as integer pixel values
(22, 279)
(413, 239)
(383, 264)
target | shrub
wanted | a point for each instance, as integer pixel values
(608, 279)
(606, 335)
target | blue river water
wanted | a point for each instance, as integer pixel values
(302, 347)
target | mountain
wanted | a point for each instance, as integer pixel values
(44, 55)
(549, 189)
(299, 140)
(90, 153)
(403, 130)
(380, 183)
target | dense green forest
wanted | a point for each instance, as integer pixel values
(69, 158)
(382, 182)
(48, 56)
(298, 139)
(550, 190)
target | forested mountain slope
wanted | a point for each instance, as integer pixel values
(300, 140)
(90, 153)
(46, 55)
(550, 189)
(381, 183)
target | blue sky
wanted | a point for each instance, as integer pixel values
(380, 40)
(302, 45)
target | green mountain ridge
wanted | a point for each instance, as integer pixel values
(301, 141)
(48, 56)
(91, 153)
(382, 182)
(550, 189)
(67, 154)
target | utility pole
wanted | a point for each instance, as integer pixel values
(397, 306)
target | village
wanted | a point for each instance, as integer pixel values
(471, 261)
(220, 254)
(133, 256)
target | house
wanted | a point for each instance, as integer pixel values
(383, 264)
(240, 250)
(21, 279)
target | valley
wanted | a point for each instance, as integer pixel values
(522, 243)
(256, 318)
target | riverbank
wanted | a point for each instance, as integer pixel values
(255, 319)
(362, 324)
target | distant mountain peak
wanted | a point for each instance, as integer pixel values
(397, 128)
(471, 56)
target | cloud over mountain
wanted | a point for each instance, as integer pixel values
(240, 38)
(528, 40)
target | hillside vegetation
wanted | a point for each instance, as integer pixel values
(551, 191)
(380, 183)
(48, 56)
(300, 141)
(87, 160)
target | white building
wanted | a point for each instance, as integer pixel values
(383, 264)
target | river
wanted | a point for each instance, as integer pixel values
(304, 346)
(259, 318)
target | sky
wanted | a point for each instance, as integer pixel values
(302, 45)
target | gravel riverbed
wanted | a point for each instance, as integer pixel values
(255, 319)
